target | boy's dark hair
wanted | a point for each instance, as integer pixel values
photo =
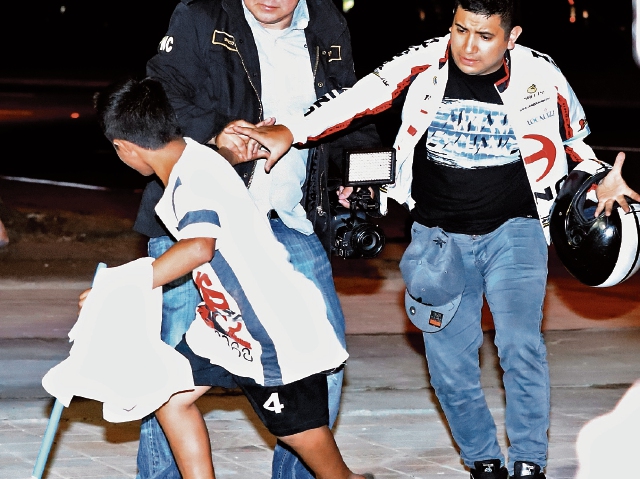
(506, 9)
(137, 111)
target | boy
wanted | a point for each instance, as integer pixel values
(249, 332)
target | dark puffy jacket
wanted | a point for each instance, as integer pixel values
(208, 64)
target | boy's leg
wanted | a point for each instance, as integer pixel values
(309, 258)
(187, 434)
(318, 449)
(297, 414)
(179, 301)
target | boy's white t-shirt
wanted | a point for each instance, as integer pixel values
(260, 318)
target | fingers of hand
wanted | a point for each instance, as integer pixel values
(619, 160)
(82, 298)
(345, 191)
(266, 122)
(269, 163)
(622, 201)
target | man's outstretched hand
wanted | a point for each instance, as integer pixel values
(613, 189)
(277, 139)
(241, 147)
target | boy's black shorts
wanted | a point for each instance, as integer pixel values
(284, 410)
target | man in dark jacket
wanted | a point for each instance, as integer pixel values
(228, 61)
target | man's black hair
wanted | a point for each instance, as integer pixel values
(137, 111)
(506, 9)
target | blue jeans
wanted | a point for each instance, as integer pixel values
(509, 267)
(155, 460)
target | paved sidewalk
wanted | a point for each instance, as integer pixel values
(389, 423)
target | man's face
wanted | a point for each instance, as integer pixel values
(274, 14)
(478, 43)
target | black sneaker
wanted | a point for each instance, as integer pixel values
(490, 469)
(528, 470)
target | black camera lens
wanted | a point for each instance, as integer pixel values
(367, 240)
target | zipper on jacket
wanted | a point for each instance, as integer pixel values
(315, 67)
(319, 208)
(255, 90)
(260, 114)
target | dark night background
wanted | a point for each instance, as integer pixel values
(57, 53)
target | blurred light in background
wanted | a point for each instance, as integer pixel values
(347, 5)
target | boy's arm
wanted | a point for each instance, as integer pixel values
(182, 258)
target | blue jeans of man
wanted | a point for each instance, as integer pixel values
(509, 267)
(180, 298)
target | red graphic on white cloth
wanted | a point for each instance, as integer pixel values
(547, 152)
(216, 312)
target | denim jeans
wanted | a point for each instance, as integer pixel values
(509, 267)
(155, 460)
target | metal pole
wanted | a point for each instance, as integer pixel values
(52, 428)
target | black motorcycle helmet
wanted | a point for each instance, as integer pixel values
(601, 251)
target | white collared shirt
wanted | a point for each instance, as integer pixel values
(287, 92)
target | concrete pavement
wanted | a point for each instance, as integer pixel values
(390, 422)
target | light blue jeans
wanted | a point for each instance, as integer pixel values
(509, 267)
(307, 255)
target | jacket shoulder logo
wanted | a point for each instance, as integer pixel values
(166, 44)
(224, 39)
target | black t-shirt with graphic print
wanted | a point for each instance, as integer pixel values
(468, 175)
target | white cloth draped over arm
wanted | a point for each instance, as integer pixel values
(117, 356)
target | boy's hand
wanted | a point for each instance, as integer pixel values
(613, 189)
(242, 147)
(276, 138)
(83, 296)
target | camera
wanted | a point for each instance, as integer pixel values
(366, 171)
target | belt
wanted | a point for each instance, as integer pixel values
(273, 215)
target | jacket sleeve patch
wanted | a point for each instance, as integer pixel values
(166, 44)
(563, 106)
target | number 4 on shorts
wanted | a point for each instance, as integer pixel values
(273, 404)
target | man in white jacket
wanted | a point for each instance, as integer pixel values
(489, 131)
